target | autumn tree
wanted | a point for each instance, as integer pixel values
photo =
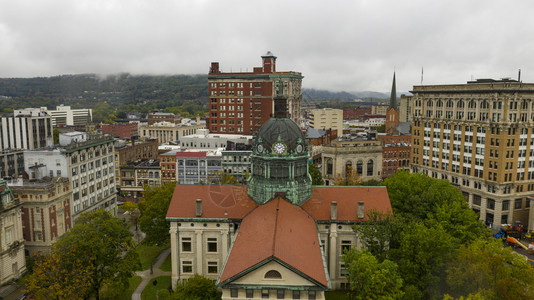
(59, 275)
(371, 279)
(153, 207)
(350, 178)
(104, 243)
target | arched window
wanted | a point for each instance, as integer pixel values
(370, 165)
(359, 168)
(440, 103)
(429, 103)
(460, 104)
(273, 274)
(472, 104)
(329, 166)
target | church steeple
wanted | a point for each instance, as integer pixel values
(393, 97)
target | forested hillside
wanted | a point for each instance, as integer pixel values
(108, 96)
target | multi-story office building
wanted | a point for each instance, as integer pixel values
(479, 136)
(12, 260)
(240, 102)
(134, 177)
(327, 118)
(87, 161)
(405, 109)
(167, 132)
(205, 140)
(194, 167)
(65, 116)
(46, 210)
(26, 129)
(352, 154)
(379, 109)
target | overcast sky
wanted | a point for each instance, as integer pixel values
(346, 45)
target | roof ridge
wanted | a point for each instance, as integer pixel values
(273, 249)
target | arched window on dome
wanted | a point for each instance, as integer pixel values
(273, 274)
(370, 166)
(359, 168)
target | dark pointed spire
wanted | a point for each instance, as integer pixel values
(393, 97)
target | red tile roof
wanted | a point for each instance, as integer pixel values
(279, 230)
(347, 198)
(218, 201)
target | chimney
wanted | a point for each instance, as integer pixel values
(198, 120)
(199, 208)
(333, 210)
(361, 212)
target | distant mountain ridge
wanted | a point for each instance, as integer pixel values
(328, 95)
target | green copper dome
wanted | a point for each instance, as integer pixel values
(280, 160)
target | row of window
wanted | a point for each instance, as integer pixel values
(280, 294)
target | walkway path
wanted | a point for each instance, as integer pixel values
(147, 277)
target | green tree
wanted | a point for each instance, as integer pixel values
(371, 279)
(381, 128)
(422, 256)
(485, 267)
(315, 173)
(220, 177)
(104, 243)
(56, 133)
(197, 288)
(59, 275)
(379, 233)
(153, 207)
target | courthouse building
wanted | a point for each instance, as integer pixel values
(277, 238)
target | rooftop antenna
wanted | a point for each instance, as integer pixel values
(519, 76)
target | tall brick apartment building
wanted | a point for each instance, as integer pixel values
(240, 102)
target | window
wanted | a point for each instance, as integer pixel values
(186, 244)
(249, 293)
(187, 267)
(506, 205)
(273, 274)
(311, 295)
(265, 294)
(280, 294)
(518, 203)
(212, 245)
(212, 267)
(296, 294)
(345, 246)
(234, 293)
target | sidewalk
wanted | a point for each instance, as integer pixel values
(147, 277)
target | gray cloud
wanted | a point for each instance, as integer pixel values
(337, 45)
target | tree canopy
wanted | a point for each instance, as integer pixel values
(153, 207)
(371, 279)
(96, 251)
(197, 288)
(315, 173)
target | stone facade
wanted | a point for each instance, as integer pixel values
(480, 137)
(46, 211)
(363, 156)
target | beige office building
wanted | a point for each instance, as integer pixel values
(327, 118)
(479, 136)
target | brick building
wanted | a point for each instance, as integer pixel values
(240, 102)
(357, 113)
(122, 130)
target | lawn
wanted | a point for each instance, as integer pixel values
(125, 294)
(148, 254)
(163, 282)
(166, 266)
